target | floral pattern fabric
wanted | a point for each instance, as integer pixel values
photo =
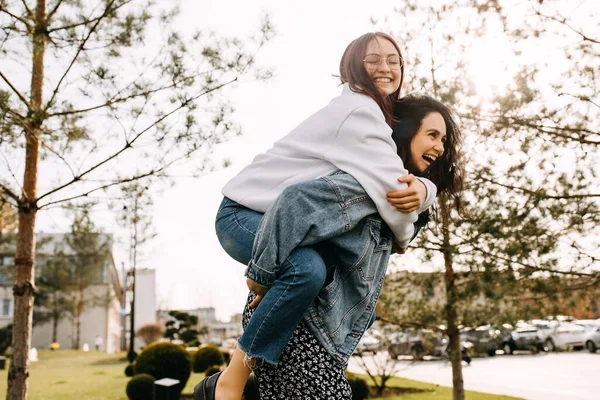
(305, 370)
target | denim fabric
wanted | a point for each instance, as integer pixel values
(301, 278)
(335, 210)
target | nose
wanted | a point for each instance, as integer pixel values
(383, 66)
(439, 147)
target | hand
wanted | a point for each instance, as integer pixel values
(409, 199)
(398, 250)
(260, 291)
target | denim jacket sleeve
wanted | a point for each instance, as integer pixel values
(260, 275)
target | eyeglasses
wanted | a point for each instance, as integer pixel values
(373, 61)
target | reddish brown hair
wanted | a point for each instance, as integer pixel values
(353, 72)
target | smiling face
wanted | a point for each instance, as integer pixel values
(386, 79)
(428, 143)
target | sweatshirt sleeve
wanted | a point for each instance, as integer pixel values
(363, 147)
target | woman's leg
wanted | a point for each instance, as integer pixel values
(281, 309)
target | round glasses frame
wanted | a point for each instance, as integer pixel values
(374, 61)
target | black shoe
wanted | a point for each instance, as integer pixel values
(205, 390)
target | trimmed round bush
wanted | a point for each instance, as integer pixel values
(140, 387)
(212, 370)
(360, 389)
(165, 360)
(207, 356)
(129, 371)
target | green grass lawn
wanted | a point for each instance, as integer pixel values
(74, 375)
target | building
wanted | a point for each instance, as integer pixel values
(145, 300)
(99, 323)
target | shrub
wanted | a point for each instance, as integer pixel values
(129, 371)
(140, 387)
(212, 370)
(165, 360)
(207, 356)
(360, 389)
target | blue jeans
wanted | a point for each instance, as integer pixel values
(299, 280)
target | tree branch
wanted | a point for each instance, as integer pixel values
(54, 10)
(114, 183)
(113, 101)
(129, 144)
(78, 24)
(9, 192)
(537, 194)
(79, 50)
(563, 21)
(59, 156)
(11, 171)
(581, 98)
(533, 267)
(21, 97)
(551, 130)
(569, 289)
(21, 20)
(26, 8)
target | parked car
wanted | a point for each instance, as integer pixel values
(525, 337)
(484, 339)
(592, 340)
(564, 335)
(589, 324)
(416, 343)
(368, 343)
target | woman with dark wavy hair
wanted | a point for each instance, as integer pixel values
(348, 217)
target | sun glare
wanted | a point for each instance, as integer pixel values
(491, 65)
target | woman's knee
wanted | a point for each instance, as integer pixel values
(309, 269)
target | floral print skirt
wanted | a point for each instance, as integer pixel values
(305, 369)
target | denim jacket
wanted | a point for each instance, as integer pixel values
(335, 214)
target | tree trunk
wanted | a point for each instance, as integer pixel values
(454, 350)
(78, 321)
(24, 288)
(74, 327)
(55, 316)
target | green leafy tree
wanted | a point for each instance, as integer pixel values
(53, 300)
(526, 238)
(182, 327)
(102, 93)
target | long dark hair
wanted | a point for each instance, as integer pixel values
(353, 72)
(447, 172)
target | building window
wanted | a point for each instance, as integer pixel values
(6, 307)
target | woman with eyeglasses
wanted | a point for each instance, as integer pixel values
(335, 221)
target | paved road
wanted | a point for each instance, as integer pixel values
(568, 376)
